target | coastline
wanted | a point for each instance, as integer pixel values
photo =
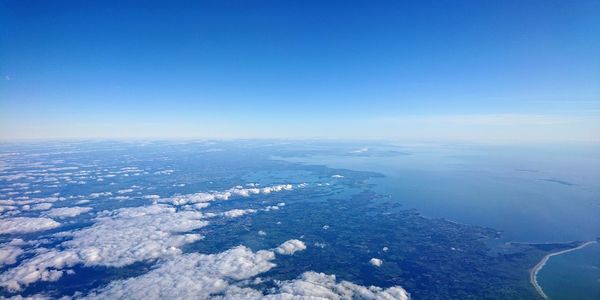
(536, 269)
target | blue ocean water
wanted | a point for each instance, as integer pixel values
(534, 195)
(573, 275)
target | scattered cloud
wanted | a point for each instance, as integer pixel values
(102, 194)
(376, 262)
(234, 213)
(224, 276)
(42, 206)
(191, 276)
(47, 265)
(290, 247)
(26, 225)
(238, 191)
(9, 254)
(67, 212)
(312, 285)
(134, 234)
(117, 239)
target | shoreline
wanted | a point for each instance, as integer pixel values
(536, 269)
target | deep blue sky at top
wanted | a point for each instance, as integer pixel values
(299, 68)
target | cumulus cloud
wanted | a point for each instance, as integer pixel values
(290, 247)
(102, 194)
(42, 206)
(26, 225)
(191, 276)
(312, 285)
(9, 254)
(274, 207)
(117, 239)
(66, 212)
(47, 265)
(134, 234)
(27, 201)
(223, 276)
(237, 191)
(376, 262)
(234, 213)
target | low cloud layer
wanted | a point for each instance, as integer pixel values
(191, 276)
(224, 276)
(26, 225)
(9, 254)
(157, 233)
(238, 191)
(65, 212)
(117, 239)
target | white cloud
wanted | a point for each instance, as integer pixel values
(312, 285)
(191, 276)
(66, 212)
(25, 225)
(9, 254)
(376, 262)
(135, 234)
(117, 239)
(47, 265)
(320, 245)
(224, 195)
(7, 208)
(234, 213)
(27, 201)
(35, 269)
(290, 247)
(164, 172)
(223, 276)
(42, 206)
(102, 194)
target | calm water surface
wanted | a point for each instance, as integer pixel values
(531, 195)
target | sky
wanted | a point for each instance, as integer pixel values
(480, 71)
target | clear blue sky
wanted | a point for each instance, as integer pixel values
(406, 70)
